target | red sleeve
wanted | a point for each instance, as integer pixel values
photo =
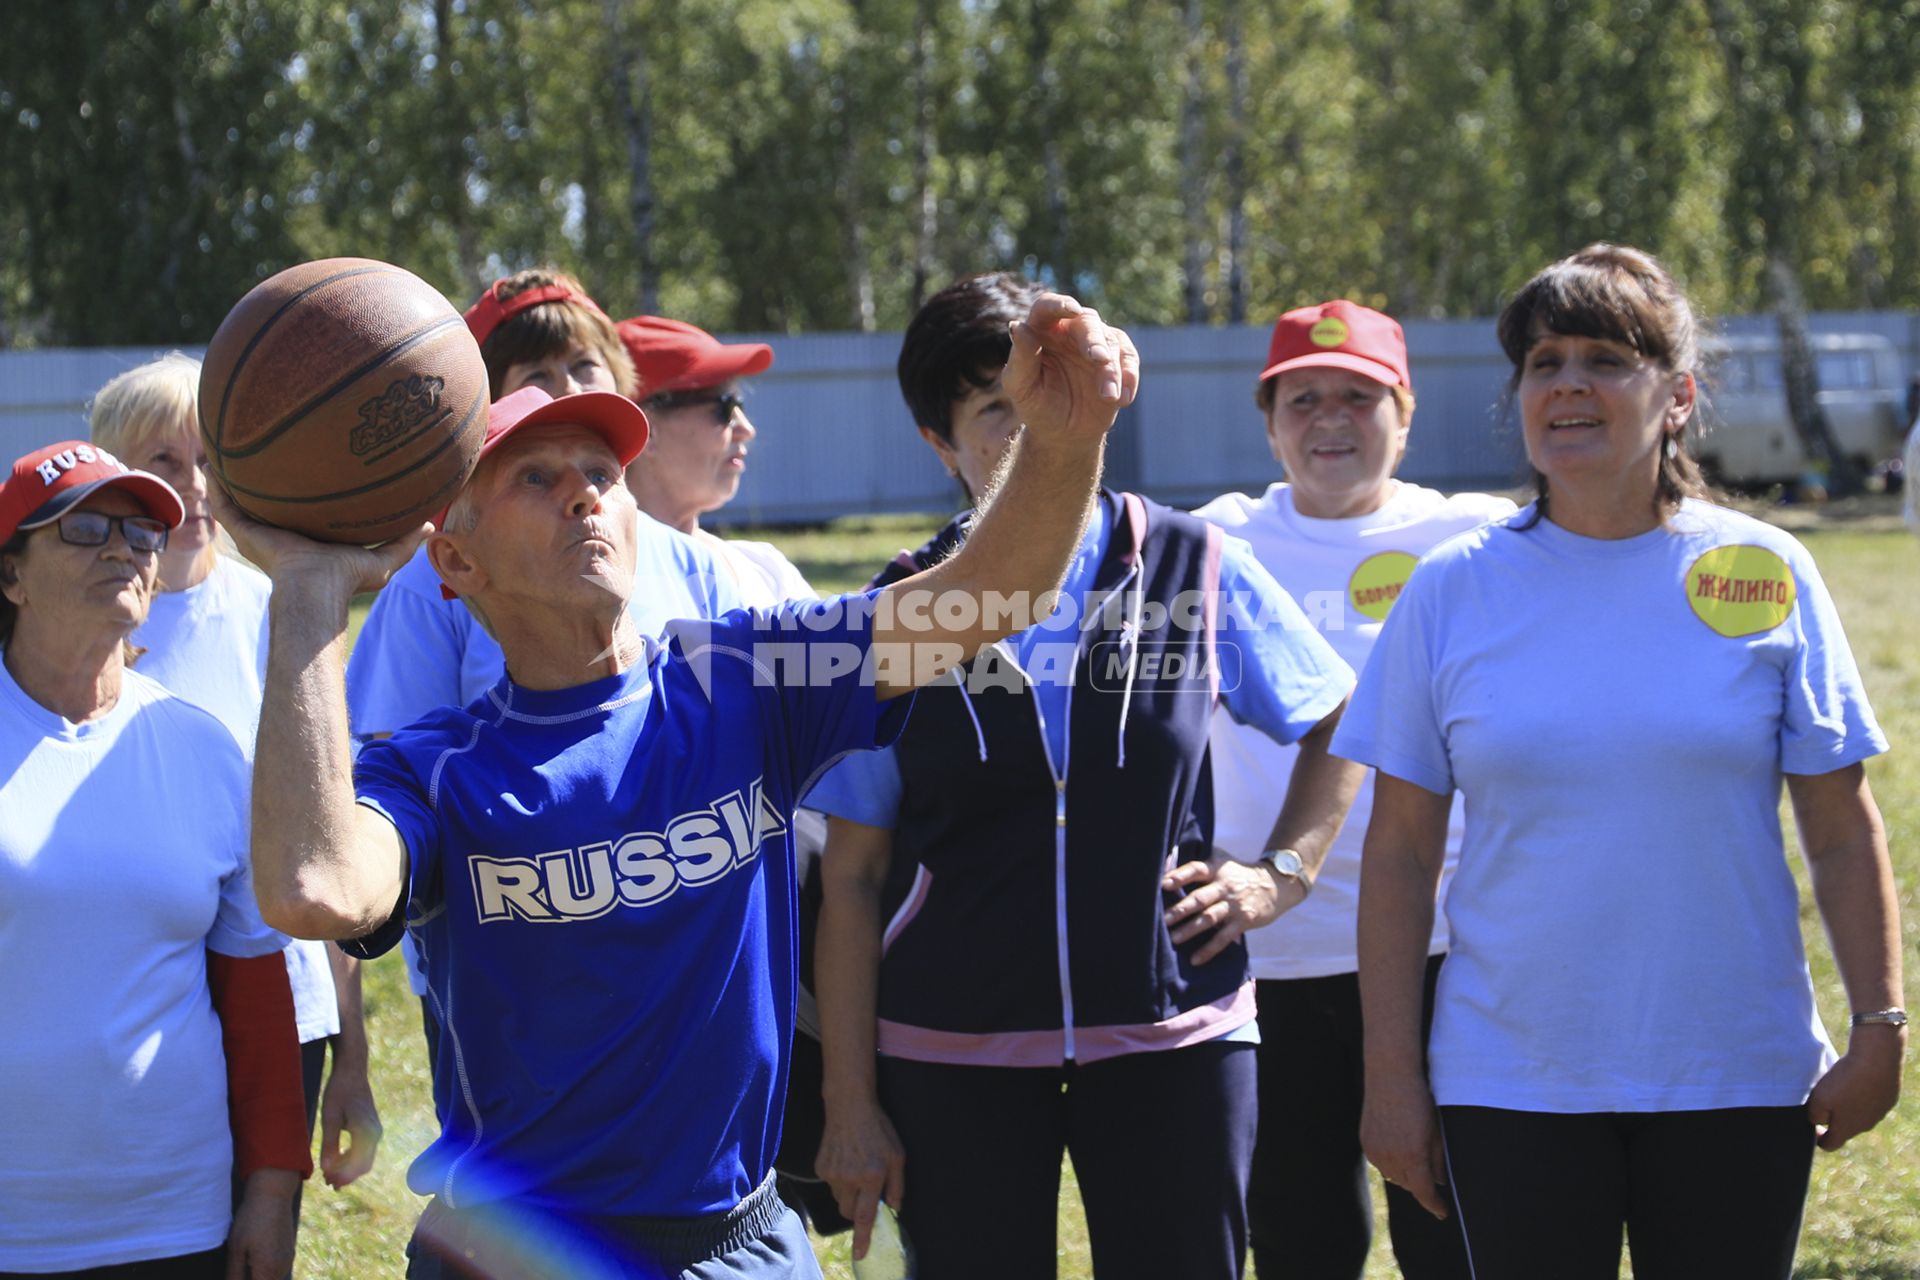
(265, 1097)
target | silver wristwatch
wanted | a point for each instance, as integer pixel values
(1288, 863)
(1895, 1017)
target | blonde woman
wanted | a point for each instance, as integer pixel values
(205, 640)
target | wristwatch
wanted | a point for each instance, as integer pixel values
(1288, 863)
(1895, 1017)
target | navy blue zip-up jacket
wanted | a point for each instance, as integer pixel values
(1026, 923)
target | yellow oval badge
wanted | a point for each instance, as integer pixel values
(1376, 584)
(1329, 331)
(1741, 590)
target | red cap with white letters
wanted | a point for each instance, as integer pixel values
(49, 482)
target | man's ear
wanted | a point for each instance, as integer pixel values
(449, 559)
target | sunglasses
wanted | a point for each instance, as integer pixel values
(725, 404)
(93, 528)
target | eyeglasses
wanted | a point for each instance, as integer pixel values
(725, 404)
(93, 528)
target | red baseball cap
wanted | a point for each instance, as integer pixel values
(614, 418)
(489, 312)
(671, 355)
(49, 482)
(1340, 335)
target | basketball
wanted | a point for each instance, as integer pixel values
(343, 399)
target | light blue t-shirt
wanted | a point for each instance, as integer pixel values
(123, 861)
(1618, 715)
(1276, 671)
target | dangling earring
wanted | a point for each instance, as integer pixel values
(1673, 448)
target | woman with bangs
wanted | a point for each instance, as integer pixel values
(1619, 679)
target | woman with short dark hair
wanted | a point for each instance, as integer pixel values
(1619, 679)
(1029, 945)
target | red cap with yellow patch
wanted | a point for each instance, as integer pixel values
(1340, 335)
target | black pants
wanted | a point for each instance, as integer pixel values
(1700, 1193)
(1160, 1143)
(211, 1265)
(1309, 1207)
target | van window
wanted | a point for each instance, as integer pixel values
(1846, 371)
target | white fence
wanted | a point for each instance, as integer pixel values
(835, 438)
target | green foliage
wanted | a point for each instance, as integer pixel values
(161, 156)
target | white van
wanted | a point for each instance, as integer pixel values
(1750, 438)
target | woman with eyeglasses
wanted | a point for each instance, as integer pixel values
(147, 1042)
(690, 384)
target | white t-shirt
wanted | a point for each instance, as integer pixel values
(1619, 715)
(123, 858)
(208, 644)
(1345, 574)
(764, 576)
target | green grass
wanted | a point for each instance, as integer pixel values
(1863, 1213)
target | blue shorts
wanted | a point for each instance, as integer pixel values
(758, 1239)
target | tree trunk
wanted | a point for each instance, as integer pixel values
(632, 94)
(928, 225)
(1053, 168)
(859, 274)
(1801, 374)
(1193, 171)
(453, 116)
(1234, 268)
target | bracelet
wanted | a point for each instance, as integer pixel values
(1895, 1017)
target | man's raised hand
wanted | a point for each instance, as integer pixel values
(284, 555)
(1070, 373)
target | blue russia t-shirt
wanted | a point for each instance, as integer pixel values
(601, 890)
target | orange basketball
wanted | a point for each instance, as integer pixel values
(343, 399)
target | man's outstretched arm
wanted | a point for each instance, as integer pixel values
(1068, 376)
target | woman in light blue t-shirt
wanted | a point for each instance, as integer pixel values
(1618, 679)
